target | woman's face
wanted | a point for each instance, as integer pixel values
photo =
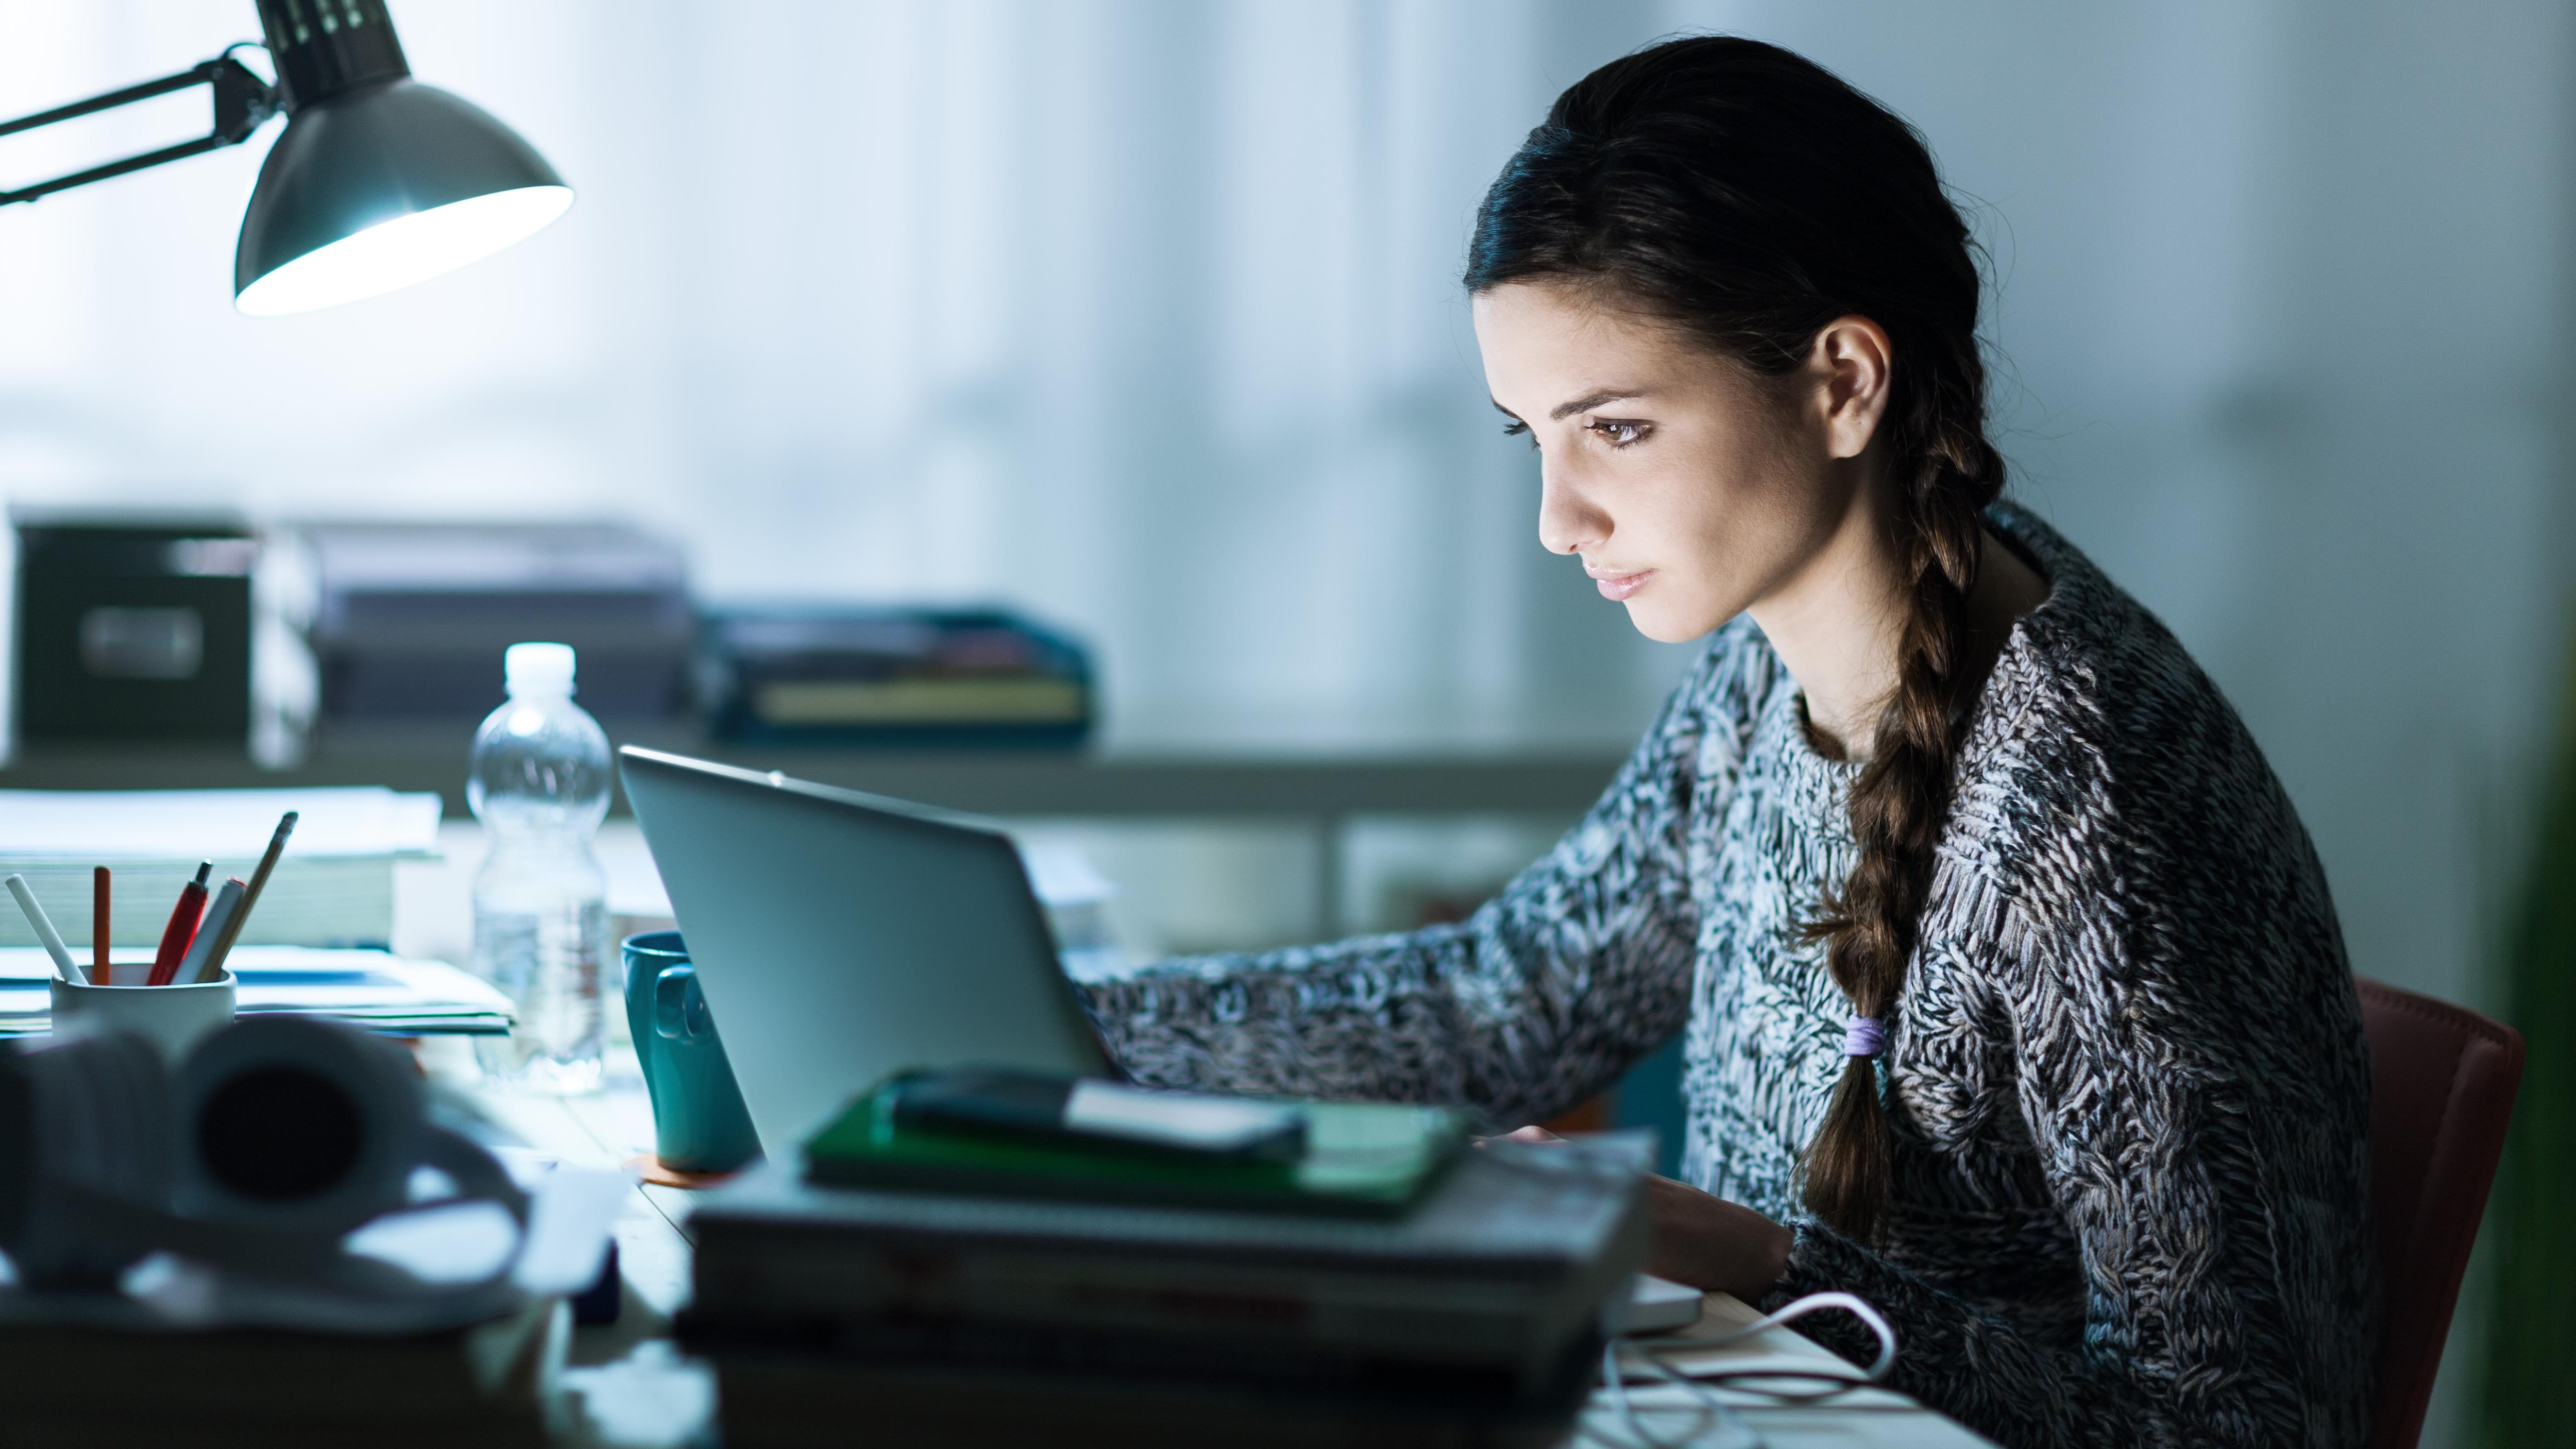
(1691, 488)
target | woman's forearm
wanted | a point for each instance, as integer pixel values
(1709, 1243)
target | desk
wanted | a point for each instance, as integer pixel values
(1324, 792)
(626, 1389)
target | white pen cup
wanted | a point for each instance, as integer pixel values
(171, 1017)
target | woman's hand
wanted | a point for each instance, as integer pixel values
(1703, 1241)
(1708, 1242)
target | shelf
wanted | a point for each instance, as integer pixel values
(1001, 783)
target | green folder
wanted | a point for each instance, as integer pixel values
(1361, 1160)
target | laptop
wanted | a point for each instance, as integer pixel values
(840, 937)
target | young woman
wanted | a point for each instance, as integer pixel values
(2013, 998)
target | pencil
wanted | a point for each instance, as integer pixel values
(221, 919)
(177, 936)
(214, 965)
(45, 932)
(98, 931)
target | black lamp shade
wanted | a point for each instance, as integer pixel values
(381, 185)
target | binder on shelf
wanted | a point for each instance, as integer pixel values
(410, 619)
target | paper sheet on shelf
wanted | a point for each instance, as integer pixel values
(373, 989)
(104, 826)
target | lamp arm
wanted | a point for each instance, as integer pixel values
(242, 103)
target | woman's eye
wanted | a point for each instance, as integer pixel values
(1618, 434)
(1516, 428)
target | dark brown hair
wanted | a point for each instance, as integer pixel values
(1749, 197)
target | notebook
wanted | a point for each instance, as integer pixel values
(1360, 1159)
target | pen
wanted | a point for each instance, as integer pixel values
(198, 965)
(182, 929)
(214, 963)
(98, 931)
(45, 932)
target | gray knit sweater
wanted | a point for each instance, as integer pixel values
(2127, 1074)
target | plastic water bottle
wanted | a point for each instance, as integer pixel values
(540, 787)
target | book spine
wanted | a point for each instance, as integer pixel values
(1432, 1321)
(772, 1401)
(749, 1272)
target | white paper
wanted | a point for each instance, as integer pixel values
(571, 1212)
(456, 1242)
(1212, 1123)
(364, 987)
(104, 826)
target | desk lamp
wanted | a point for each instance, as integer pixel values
(378, 182)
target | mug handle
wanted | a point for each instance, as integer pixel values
(679, 1008)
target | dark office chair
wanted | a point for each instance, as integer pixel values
(2441, 1090)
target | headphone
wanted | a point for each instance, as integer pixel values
(274, 1138)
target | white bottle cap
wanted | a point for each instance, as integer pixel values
(537, 669)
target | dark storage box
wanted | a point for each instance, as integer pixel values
(133, 629)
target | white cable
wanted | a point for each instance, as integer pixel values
(1710, 1411)
(1853, 1304)
(1649, 1355)
(1753, 1381)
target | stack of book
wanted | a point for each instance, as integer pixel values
(905, 678)
(333, 887)
(932, 1315)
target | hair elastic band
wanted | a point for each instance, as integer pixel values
(1865, 1036)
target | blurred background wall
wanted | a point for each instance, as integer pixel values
(1143, 315)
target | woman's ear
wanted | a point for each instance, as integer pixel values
(1851, 365)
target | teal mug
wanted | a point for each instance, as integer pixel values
(699, 1122)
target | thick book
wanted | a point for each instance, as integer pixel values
(1510, 1258)
(769, 1399)
(1358, 1159)
(83, 1384)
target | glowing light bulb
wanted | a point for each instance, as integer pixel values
(407, 249)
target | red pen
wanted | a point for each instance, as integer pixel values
(182, 928)
(98, 933)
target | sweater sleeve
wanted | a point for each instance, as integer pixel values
(2197, 1124)
(1579, 968)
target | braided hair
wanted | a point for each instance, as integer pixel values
(1749, 197)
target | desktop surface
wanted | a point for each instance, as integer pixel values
(627, 1388)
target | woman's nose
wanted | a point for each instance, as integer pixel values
(1567, 523)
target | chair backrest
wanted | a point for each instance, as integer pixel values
(2442, 1080)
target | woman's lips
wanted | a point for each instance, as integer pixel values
(1616, 586)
